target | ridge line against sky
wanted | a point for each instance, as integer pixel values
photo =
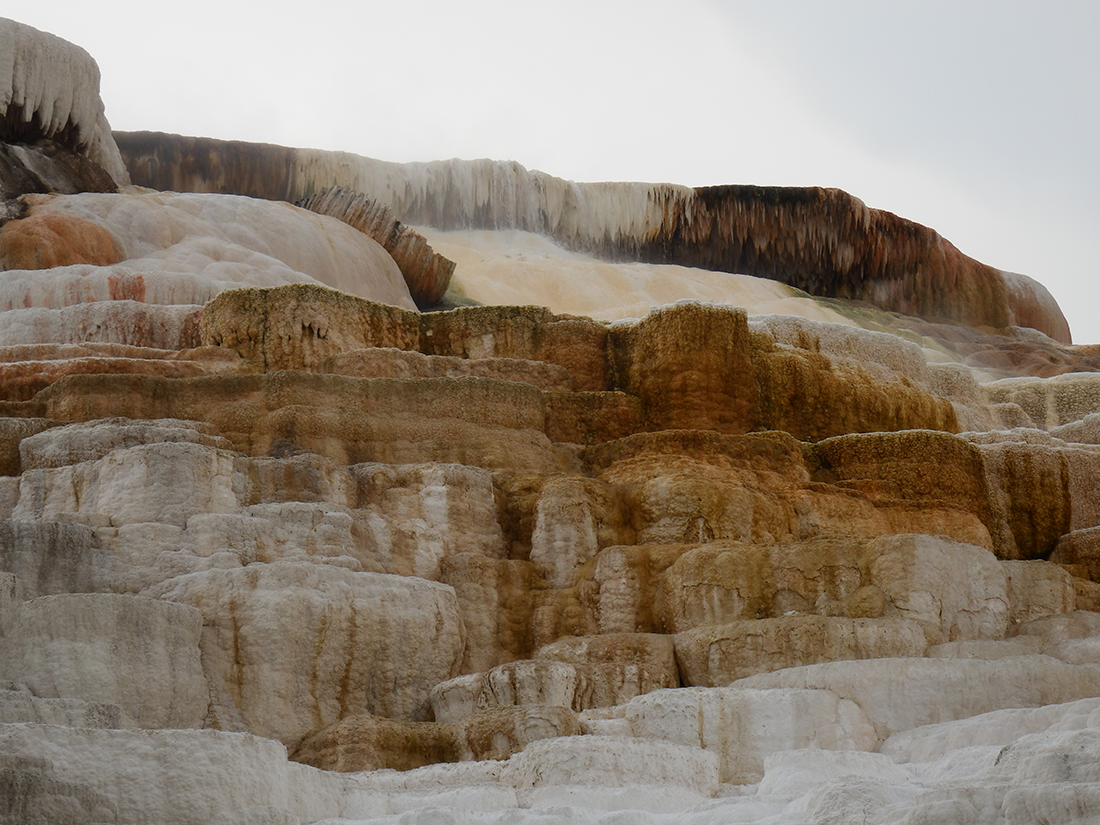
(976, 118)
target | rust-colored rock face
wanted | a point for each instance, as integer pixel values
(477, 533)
(46, 241)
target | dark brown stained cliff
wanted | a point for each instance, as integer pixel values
(16, 127)
(823, 241)
(828, 243)
(34, 158)
(173, 163)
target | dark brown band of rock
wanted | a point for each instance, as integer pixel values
(427, 273)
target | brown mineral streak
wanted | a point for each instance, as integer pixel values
(427, 274)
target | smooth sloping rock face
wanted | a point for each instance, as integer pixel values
(427, 273)
(288, 648)
(999, 727)
(182, 248)
(48, 241)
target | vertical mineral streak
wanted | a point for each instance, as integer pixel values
(49, 89)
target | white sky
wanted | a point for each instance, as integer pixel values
(979, 118)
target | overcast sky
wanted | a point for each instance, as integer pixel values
(979, 118)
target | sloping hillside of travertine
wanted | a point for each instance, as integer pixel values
(673, 545)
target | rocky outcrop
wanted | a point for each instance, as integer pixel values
(427, 273)
(168, 248)
(840, 248)
(53, 132)
(503, 563)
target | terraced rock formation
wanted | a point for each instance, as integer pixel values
(823, 241)
(278, 547)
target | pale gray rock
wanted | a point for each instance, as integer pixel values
(1050, 630)
(899, 694)
(790, 774)
(544, 681)
(52, 557)
(1076, 651)
(93, 440)
(960, 587)
(574, 519)
(715, 655)
(1050, 757)
(168, 777)
(997, 728)
(742, 727)
(140, 654)
(1036, 589)
(290, 648)
(18, 704)
(986, 648)
(30, 794)
(164, 483)
(106, 321)
(601, 760)
(1069, 803)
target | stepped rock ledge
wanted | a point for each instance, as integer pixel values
(341, 491)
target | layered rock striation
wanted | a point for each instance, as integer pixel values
(277, 547)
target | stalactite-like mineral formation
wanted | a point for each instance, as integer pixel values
(55, 136)
(823, 241)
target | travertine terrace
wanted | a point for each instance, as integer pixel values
(566, 503)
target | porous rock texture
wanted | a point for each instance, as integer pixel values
(797, 561)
